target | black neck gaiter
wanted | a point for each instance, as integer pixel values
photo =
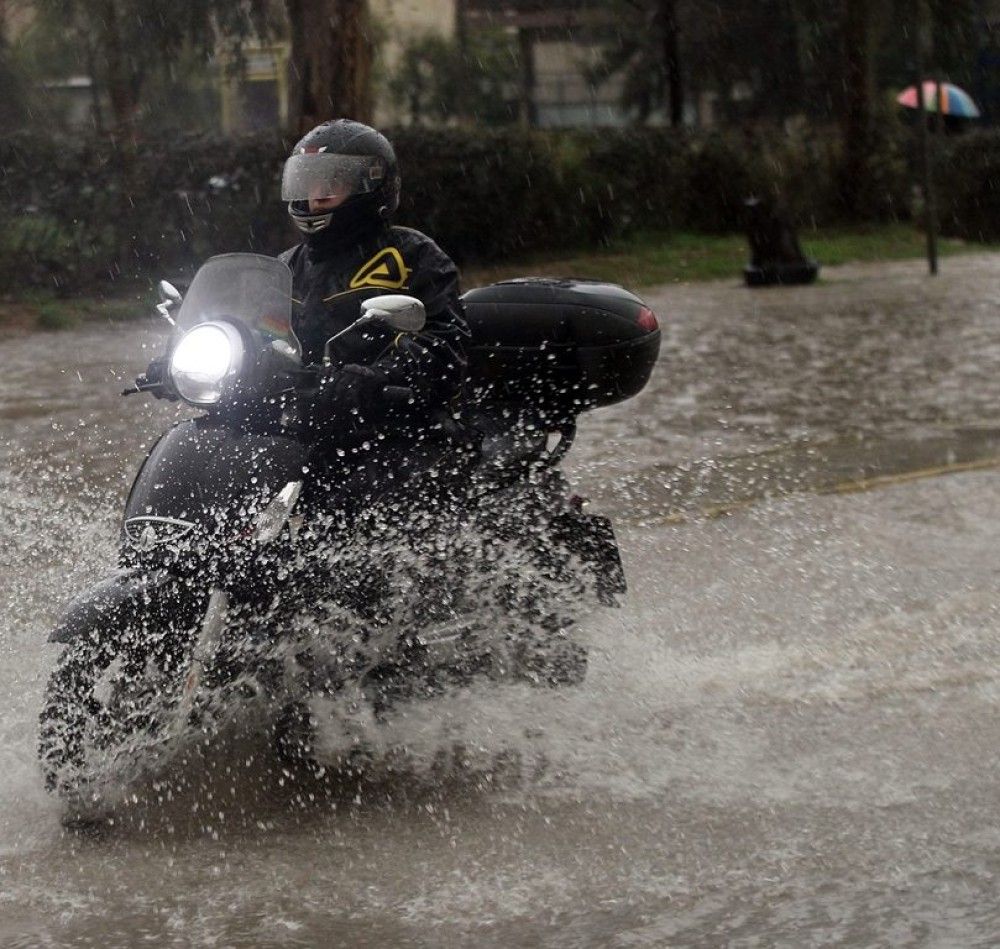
(354, 223)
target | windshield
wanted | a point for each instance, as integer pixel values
(251, 288)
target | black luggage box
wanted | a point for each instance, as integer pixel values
(562, 345)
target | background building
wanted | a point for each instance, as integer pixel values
(558, 42)
(546, 55)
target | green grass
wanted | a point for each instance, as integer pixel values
(52, 316)
(651, 258)
(832, 246)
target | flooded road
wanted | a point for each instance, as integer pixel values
(787, 736)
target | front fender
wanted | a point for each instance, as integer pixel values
(114, 604)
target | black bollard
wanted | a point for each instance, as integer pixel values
(775, 255)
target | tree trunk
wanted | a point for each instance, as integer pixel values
(922, 47)
(859, 96)
(331, 62)
(11, 108)
(672, 61)
(122, 80)
(528, 111)
(95, 89)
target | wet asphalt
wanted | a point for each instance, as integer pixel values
(788, 733)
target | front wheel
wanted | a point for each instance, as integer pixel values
(99, 695)
(74, 719)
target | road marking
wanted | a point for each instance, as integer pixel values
(879, 481)
(858, 486)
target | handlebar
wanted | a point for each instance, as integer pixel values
(142, 384)
(394, 395)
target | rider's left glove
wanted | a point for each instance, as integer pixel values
(156, 375)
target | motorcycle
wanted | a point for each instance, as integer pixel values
(246, 582)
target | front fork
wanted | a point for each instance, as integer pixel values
(270, 523)
(205, 646)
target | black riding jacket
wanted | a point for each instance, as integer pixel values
(330, 281)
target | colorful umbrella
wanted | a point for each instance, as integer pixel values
(954, 101)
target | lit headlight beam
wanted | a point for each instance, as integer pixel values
(204, 359)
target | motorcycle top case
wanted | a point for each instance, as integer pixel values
(564, 345)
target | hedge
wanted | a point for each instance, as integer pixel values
(967, 175)
(484, 195)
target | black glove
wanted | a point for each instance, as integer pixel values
(156, 374)
(349, 395)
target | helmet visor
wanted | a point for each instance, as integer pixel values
(320, 175)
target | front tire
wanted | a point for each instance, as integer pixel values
(90, 710)
(73, 718)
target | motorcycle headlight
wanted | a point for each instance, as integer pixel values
(205, 360)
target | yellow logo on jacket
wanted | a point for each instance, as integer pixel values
(385, 270)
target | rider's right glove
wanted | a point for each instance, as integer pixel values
(351, 395)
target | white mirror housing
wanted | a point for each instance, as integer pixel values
(169, 294)
(403, 313)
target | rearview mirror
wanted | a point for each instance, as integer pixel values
(404, 314)
(169, 294)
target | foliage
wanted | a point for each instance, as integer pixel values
(643, 52)
(756, 51)
(439, 79)
(182, 98)
(956, 38)
(122, 41)
(14, 108)
(779, 58)
(774, 59)
(969, 195)
(484, 195)
(193, 197)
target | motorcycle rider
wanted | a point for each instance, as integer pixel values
(342, 186)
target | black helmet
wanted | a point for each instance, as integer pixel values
(346, 162)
